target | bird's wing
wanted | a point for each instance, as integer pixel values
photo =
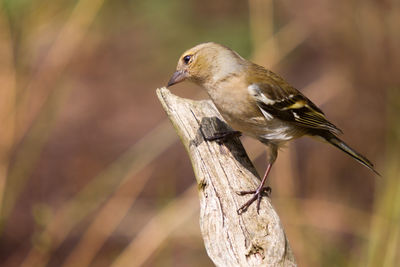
(288, 104)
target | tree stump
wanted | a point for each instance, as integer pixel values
(222, 169)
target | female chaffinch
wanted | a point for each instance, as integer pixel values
(258, 103)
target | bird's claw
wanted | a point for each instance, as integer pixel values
(222, 136)
(257, 195)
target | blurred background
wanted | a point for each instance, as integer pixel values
(93, 174)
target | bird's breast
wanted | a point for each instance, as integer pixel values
(241, 112)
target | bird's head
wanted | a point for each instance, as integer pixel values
(206, 63)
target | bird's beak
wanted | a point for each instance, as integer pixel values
(177, 77)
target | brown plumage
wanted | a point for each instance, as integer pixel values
(256, 102)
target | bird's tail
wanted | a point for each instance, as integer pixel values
(332, 139)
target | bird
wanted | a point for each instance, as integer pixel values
(258, 103)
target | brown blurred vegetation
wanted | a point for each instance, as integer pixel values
(92, 173)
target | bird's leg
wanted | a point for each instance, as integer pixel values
(221, 136)
(257, 194)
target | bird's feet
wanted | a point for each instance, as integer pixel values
(222, 136)
(257, 195)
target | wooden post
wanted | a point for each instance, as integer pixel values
(221, 170)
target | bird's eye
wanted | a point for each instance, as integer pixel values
(186, 59)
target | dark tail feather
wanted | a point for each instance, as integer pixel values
(345, 148)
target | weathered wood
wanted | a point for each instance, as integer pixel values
(221, 170)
